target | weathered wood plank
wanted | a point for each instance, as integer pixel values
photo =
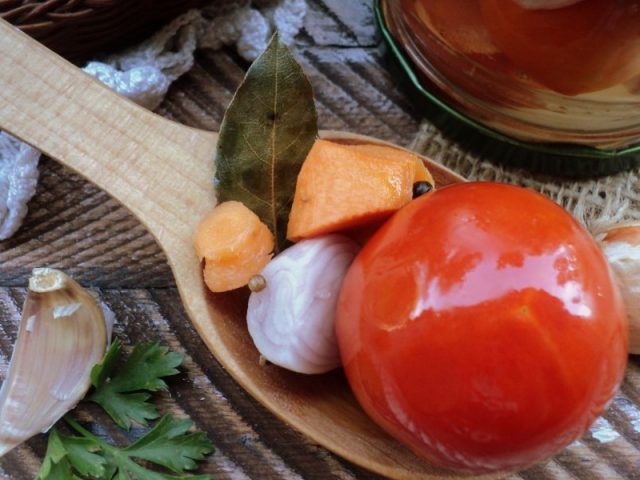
(341, 24)
(73, 226)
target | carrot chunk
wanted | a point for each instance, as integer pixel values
(397, 154)
(234, 244)
(344, 186)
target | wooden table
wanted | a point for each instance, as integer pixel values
(73, 226)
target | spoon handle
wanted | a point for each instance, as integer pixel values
(155, 167)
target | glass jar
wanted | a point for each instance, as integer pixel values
(564, 71)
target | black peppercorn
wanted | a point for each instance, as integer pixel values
(420, 188)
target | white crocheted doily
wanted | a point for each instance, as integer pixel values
(144, 74)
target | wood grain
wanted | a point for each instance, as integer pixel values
(75, 226)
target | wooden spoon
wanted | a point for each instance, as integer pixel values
(162, 172)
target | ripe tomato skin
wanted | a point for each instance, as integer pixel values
(481, 327)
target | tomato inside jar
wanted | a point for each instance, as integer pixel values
(570, 47)
(561, 71)
(481, 327)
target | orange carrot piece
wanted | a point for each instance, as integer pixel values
(234, 244)
(392, 153)
(340, 187)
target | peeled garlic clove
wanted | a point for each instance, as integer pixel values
(62, 335)
(292, 319)
(621, 246)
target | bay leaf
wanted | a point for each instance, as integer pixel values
(267, 131)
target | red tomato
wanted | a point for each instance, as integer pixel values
(481, 327)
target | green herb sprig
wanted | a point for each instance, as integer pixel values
(124, 394)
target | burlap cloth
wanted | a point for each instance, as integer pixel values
(597, 203)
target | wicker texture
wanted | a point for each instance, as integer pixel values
(77, 29)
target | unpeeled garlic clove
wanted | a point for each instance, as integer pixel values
(62, 335)
(621, 246)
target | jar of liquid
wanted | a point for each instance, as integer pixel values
(565, 71)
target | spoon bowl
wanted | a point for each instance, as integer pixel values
(163, 173)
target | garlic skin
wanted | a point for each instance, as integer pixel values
(545, 4)
(621, 246)
(62, 335)
(292, 320)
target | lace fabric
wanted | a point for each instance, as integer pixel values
(18, 181)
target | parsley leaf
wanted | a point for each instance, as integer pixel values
(101, 372)
(55, 464)
(125, 395)
(68, 454)
(169, 444)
